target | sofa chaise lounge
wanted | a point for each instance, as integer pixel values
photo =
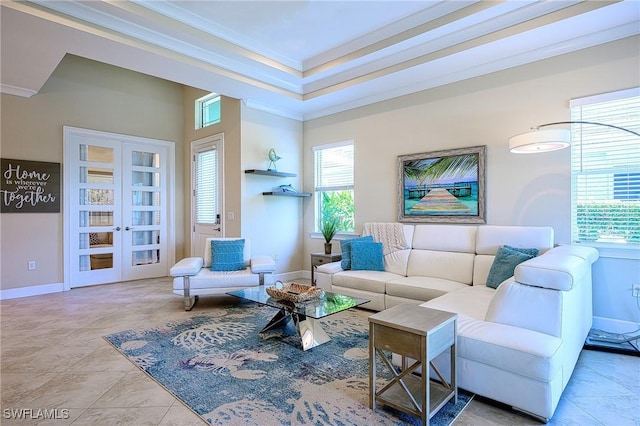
(517, 344)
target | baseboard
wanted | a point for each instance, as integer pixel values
(293, 275)
(614, 325)
(36, 290)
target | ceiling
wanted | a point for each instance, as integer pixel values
(307, 58)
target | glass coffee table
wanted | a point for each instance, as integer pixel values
(304, 314)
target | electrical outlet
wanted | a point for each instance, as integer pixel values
(31, 265)
(635, 290)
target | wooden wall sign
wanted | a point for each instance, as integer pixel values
(30, 186)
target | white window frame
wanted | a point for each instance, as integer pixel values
(200, 105)
(580, 133)
(319, 189)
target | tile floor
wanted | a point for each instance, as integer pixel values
(53, 358)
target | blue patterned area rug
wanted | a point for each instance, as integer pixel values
(221, 368)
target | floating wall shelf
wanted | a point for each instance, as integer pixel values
(270, 173)
(288, 194)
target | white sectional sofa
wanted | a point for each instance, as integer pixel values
(517, 344)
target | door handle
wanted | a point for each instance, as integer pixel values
(116, 228)
(128, 229)
(216, 229)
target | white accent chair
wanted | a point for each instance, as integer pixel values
(193, 276)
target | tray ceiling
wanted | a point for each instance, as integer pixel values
(302, 59)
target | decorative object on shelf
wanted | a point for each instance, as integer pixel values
(293, 292)
(328, 228)
(285, 188)
(548, 140)
(273, 157)
(442, 186)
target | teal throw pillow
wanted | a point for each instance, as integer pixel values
(366, 256)
(504, 264)
(345, 246)
(530, 251)
(227, 255)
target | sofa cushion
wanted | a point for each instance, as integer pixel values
(345, 246)
(227, 255)
(366, 255)
(519, 305)
(396, 262)
(373, 281)
(504, 264)
(491, 237)
(246, 256)
(451, 266)
(445, 238)
(421, 288)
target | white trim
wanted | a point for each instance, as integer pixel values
(35, 290)
(605, 97)
(257, 105)
(332, 145)
(17, 91)
(613, 325)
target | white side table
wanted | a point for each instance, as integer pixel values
(420, 334)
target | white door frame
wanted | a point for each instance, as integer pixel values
(68, 131)
(196, 146)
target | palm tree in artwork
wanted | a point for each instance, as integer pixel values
(422, 171)
(452, 167)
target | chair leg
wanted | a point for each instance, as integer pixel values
(189, 300)
(261, 278)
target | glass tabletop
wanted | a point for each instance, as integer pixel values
(319, 307)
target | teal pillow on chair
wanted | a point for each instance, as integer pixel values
(366, 255)
(227, 255)
(504, 264)
(345, 246)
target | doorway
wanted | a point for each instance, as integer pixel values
(118, 207)
(206, 180)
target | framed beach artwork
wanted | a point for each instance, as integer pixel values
(442, 186)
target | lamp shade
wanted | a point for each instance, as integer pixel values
(540, 141)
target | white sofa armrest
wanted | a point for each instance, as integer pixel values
(560, 268)
(262, 265)
(187, 267)
(330, 268)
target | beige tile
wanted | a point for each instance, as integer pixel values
(105, 358)
(16, 387)
(122, 416)
(136, 389)
(179, 415)
(72, 390)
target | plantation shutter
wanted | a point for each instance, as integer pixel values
(605, 169)
(206, 184)
(334, 167)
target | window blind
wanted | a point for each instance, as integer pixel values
(334, 168)
(206, 184)
(605, 169)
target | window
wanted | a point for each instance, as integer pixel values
(605, 170)
(207, 110)
(334, 184)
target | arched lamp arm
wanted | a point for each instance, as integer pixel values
(588, 122)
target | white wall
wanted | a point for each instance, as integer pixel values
(520, 189)
(273, 223)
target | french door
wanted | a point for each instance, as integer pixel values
(206, 205)
(117, 212)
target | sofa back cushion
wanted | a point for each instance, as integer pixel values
(491, 237)
(441, 264)
(207, 250)
(396, 262)
(453, 238)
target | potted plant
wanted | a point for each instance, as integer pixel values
(328, 228)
